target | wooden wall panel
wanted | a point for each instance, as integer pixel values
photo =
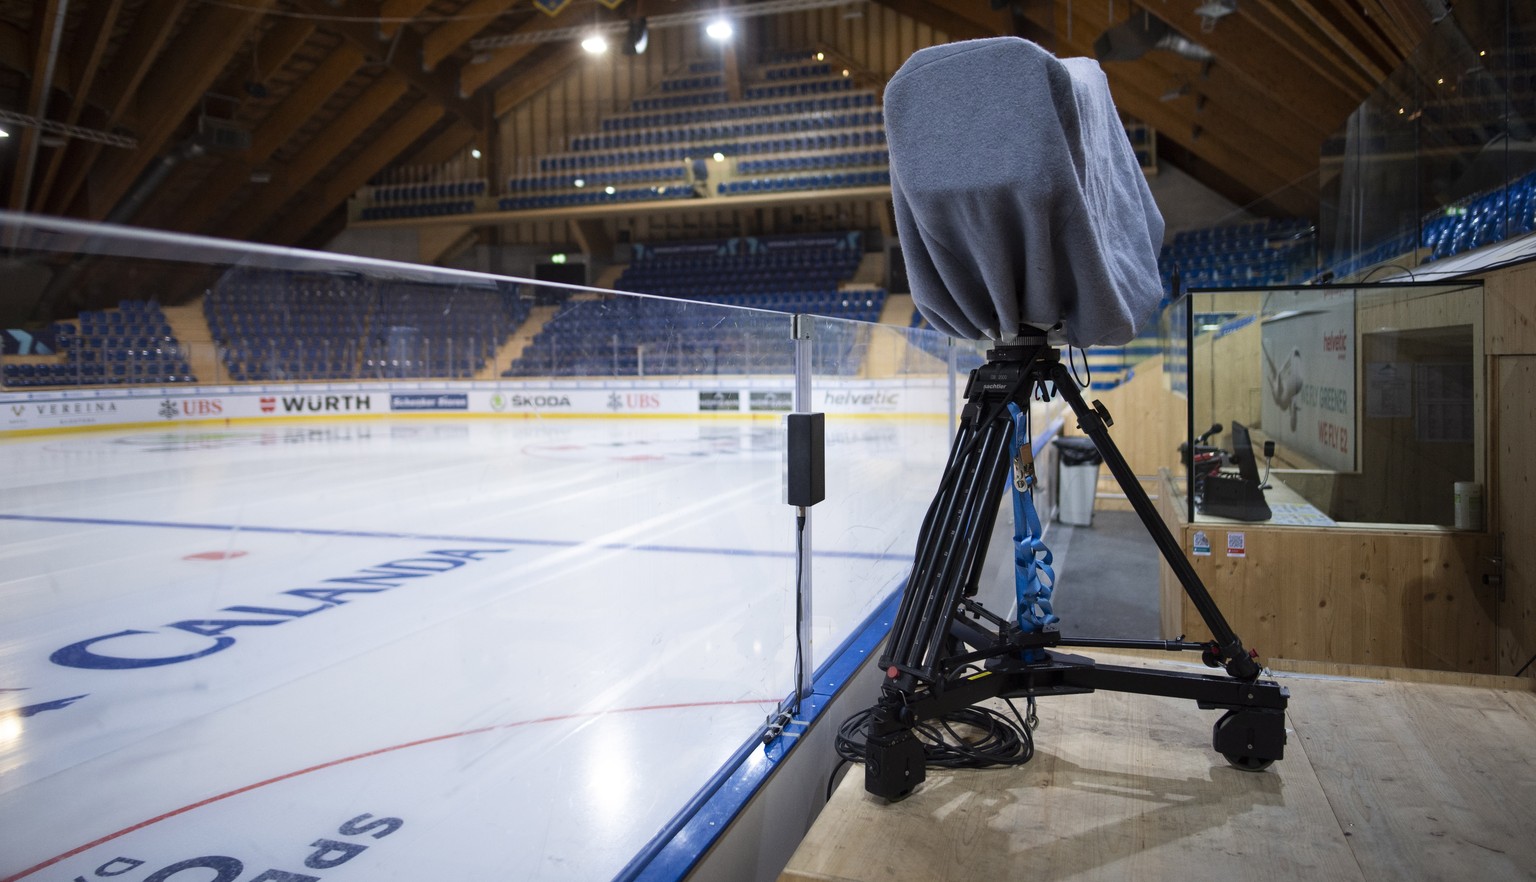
(1510, 310)
(1373, 597)
(1514, 512)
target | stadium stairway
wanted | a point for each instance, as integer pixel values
(897, 311)
(191, 328)
(512, 348)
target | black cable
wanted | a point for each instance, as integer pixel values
(1526, 665)
(1087, 368)
(799, 606)
(832, 779)
(996, 741)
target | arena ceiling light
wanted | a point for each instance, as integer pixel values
(667, 20)
(719, 30)
(595, 44)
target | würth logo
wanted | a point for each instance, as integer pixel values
(268, 404)
(329, 403)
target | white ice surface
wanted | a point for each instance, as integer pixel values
(620, 623)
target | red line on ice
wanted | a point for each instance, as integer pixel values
(347, 759)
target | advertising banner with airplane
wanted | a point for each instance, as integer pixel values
(1308, 342)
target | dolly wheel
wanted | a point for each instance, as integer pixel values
(1248, 763)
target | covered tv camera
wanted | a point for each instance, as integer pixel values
(1021, 212)
(1018, 198)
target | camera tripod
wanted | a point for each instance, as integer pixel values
(947, 652)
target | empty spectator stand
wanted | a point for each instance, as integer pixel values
(1484, 219)
(272, 325)
(692, 141)
(434, 199)
(1273, 252)
(130, 345)
(635, 336)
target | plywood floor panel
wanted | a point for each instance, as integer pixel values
(1381, 781)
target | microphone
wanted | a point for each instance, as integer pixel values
(1215, 429)
(1017, 196)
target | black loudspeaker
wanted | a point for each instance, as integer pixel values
(637, 37)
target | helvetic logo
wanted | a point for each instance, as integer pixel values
(318, 403)
(167, 645)
(1336, 343)
(168, 409)
(326, 854)
(268, 404)
(861, 399)
(202, 407)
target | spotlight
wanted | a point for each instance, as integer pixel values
(474, 152)
(595, 44)
(4, 133)
(720, 30)
(608, 190)
(637, 38)
(719, 157)
(578, 183)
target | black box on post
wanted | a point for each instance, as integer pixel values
(805, 471)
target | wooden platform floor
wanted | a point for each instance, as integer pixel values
(1382, 780)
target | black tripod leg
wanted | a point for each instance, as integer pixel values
(1234, 657)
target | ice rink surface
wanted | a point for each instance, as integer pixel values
(414, 649)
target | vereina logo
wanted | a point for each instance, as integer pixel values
(268, 404)
(168, 409)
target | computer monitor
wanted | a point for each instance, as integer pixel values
(1242, 454)
(1238, 496)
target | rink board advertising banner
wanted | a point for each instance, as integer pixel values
(34, 411)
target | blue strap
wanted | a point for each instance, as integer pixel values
(1034, 579)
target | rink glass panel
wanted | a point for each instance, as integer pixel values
(620, 473)
(1373, 395)
(1436, 160)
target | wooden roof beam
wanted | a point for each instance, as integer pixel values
(393, 14)
(1361, 28)
(47, 24)
(300, 173)
(87, 49)
(130, 64)
(401, 53)
(1291, 129)
(1276, 69)
(281, 124)
(174, 88)
(341, 184)
(954, 23)
(536, 79)
(278, 45)
(446, 38)
(1323, 55)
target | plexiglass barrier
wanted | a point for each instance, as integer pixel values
(1345, 404)
(436, 567)
(1438, 160)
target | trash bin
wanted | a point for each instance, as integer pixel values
(1078, 462)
